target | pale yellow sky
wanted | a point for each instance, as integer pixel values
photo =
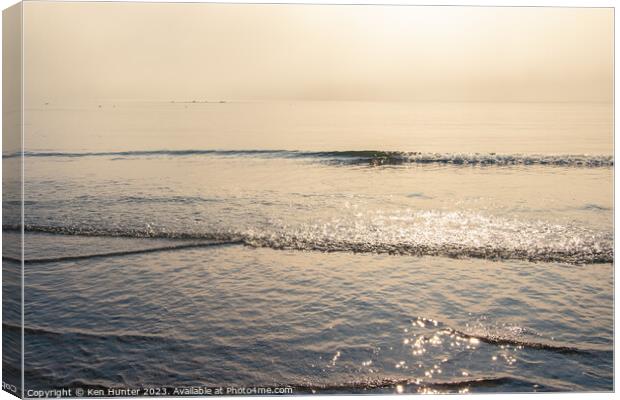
(151, 51)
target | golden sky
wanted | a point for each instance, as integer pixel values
(184, 51)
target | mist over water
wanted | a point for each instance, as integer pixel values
(330, 246)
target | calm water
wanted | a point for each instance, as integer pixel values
(332, 247)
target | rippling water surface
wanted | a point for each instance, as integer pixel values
(346, 247)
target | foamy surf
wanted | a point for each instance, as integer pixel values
(442, 234)
(358, 157)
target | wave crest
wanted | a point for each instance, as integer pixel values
(360, 157)
(454, 235)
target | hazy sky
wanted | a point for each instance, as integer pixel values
(152, 51)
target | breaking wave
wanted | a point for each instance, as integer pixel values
(454, 235)
(360, 157)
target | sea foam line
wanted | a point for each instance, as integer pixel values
(586, 253)
(418, 384)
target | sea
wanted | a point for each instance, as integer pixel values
(329, 247)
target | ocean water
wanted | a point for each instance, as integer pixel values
(333, 247)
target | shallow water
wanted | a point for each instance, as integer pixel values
(391, 248)
(236, 315)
